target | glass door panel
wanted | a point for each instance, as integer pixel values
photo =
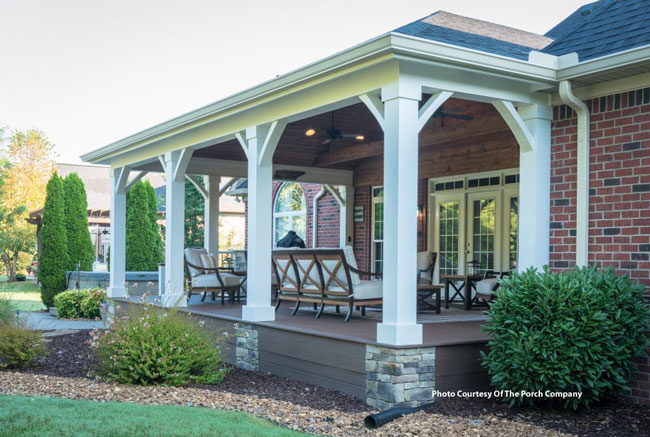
(449, 234)
(378, 230)
(483, 232)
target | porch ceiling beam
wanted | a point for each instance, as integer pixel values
(516, 124)
(200, 188)
(135, 180)
(359, 151)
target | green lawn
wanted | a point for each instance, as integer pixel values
(42, 416)
(24, 296)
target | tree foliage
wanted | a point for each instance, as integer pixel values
(54, 254)
(80, 246)
(194, 214)
(143, 243)
(16, 237)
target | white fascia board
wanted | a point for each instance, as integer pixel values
(605, 63)
(607, 88)
(355, 59)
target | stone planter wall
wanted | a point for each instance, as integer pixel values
(399, 377)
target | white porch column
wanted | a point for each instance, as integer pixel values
(211, 218)
(259, 143)
(175, 165)
(117, 274)
(346, 217)
(535, 188)
(399, 325)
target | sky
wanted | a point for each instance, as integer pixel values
(89, 72)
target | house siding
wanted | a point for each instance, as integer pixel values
(619, 195)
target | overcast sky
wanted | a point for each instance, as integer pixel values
(91, 72)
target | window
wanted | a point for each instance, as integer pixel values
(289, 213)
(378, 229)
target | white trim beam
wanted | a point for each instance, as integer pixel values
(375, 106)
(226, 186)
(431, 106)
(200, 188)
(135, 180)
(516, 124)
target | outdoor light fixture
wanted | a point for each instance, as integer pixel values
(359, 138)
(310, 132)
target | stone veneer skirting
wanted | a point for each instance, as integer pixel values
(247, 353)
(399, 377)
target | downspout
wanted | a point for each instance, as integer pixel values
(314, 215)
(582, 177)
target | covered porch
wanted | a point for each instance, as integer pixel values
(390, 114)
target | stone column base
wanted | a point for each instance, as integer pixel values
(399, 377)
(246, 352)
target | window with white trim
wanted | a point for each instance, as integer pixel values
(289, 212)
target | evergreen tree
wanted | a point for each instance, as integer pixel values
(54, 255)
(158, 254)
(194, 215)
(80, 246)
(139, 252)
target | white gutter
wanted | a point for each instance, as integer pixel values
(582, 182)
(317, 197)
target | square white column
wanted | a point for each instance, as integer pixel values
(211, 215)
(399, 324)
(174, 231)
(259, 144)
(117, 274)
(535, 189)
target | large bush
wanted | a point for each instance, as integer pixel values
(143, 243)
(7, 310)
(54, 242)
(153, 347)
(74, 304)
(80, 246)
(575, 331)
(19, 347)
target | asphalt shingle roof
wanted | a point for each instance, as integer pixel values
(475, 34)
(602, 28)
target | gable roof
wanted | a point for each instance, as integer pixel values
(602, 28)
(476, 34)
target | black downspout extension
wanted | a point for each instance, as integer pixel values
(383, 417)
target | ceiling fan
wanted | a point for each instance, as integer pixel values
(334, 134)
(450, 113)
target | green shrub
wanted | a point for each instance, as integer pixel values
(19, 347)
(80, 246)
(91, 303)
(20, 277)
(68, 303)
(7, 311)
(54, 253)
(151, 346)
(576, 331)
(74, 304)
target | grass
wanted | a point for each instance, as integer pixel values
(42, 416)
(23, 296)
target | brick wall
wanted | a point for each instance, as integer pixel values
(619, 195)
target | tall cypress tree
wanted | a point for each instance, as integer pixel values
(54, 255)
(194, 216)
(158, 254)
(139, 252)
(80, 246)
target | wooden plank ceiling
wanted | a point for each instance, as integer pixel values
(295, 148)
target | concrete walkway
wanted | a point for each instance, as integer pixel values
(46, 322)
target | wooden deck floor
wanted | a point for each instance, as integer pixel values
(358, 329)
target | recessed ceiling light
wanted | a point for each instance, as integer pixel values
(310, 132)
(359, 138)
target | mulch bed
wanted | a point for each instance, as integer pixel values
(67, 372)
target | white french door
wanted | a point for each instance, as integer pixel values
(483, 245)
(448, 236)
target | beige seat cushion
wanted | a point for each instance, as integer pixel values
(352, 262)
(486, 286)
(424, 261)
(369, 290)
(208, 262)
(210, 280)
(193, 256)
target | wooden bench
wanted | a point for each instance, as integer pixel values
(324, 277)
